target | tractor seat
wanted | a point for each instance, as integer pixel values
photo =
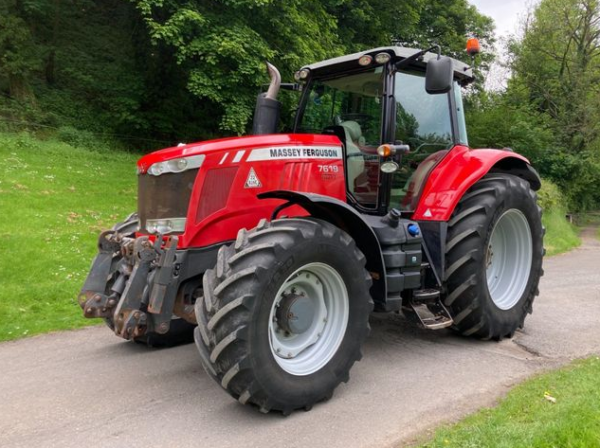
(354, 161)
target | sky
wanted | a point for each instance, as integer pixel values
(507, 15)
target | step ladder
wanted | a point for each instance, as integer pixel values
(428, 308)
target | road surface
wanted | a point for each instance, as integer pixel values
(88, 388)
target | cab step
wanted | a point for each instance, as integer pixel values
(431, 313)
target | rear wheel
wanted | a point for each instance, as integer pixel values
(494, 257)
(284, 314)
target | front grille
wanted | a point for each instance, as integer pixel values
(164, 196)
(215, 191)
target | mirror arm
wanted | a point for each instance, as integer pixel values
(295, 87)
(292, 86)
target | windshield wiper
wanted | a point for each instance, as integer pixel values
(406, 62)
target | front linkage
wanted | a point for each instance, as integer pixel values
(133, 284)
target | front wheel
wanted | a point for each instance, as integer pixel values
(494, 257)
(284, 314)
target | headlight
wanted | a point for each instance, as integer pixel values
(176, 165)
(301, 75)
(365, 60)
(382, 58)
(164, 226)
(389, 167)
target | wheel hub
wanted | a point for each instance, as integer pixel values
(295, 313)
(308, 319)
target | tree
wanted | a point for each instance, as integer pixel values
(223, 44)
(19, 56)
(556, 68)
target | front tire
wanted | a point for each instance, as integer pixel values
(284, 314)
(494, 257)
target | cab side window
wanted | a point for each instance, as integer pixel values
(423, 121)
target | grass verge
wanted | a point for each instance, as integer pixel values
(528, 417)
(561, 236)
(54, 200)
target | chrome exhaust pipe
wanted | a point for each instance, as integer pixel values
(275, 84)
(266, 113)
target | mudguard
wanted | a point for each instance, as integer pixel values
(348, 219)
(458, 171)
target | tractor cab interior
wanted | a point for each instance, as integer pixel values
(351, 108)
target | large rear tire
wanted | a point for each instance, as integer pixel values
(284, 315)
(494, 257)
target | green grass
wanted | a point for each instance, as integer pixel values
(54, 200)
(525, 418)
(561, 236)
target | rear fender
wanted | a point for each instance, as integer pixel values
(346, 218)
(459, 171)
(450, 180)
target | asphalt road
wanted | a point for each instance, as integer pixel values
(88, 388)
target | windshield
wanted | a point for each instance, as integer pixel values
(351, 107)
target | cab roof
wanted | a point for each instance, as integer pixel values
(462, 72)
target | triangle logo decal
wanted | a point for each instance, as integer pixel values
(252, 181)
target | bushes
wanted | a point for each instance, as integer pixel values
(76, 137)
(577, 175)
(550, 196)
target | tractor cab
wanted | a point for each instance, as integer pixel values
(386, 96)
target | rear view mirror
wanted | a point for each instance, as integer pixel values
(439, 76)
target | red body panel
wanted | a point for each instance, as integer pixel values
(452, 177)
(300, 163)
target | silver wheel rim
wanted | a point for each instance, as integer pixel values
(324, 309)
(508, 259)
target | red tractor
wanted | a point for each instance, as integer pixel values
(275, 248)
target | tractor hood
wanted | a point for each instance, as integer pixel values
(241, 146)
(205, 192)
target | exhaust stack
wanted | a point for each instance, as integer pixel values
(266, 114)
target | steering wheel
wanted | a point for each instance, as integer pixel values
(361, 119)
